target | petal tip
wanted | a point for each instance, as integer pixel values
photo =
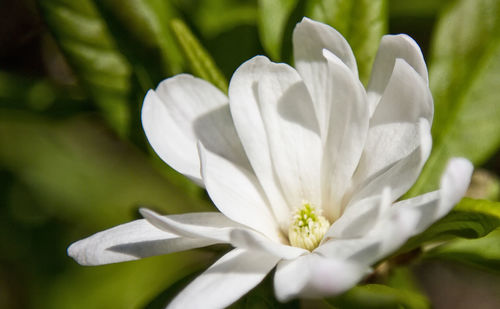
(462, 164)
(72, 250)
(305, 20)
(77, 252)
(146, 213)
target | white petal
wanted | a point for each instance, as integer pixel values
(391, 48)
(130, 241)
(253, 241)
(205, 225)
(310, 38)
(404, 220)
(386, 144)
(292, 131)
(231, 277)
(390, 232)
(237, 194)
(434, 205)
(370, 249)
(406, 98)
(454, 183)
(346, 134)
(219, 229)
(356, 250)
(312, 275)
(395, 126)
(181, 111)
(359, 218)
(399, 175)
(243, 100)
(345, 241)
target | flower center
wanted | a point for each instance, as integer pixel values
(308, 227)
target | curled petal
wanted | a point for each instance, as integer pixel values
(391, 48)
(406, 98)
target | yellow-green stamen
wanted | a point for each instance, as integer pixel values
(308, 227)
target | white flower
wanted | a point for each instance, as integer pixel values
(304, 165)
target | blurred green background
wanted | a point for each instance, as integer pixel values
(74, 159)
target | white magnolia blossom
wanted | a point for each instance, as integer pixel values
(304, 165)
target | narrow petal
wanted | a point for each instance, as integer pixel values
(310, 38)
(406, 98)
(346, 134)
(293, 133)
(237, 193)
(130, 241)
(219, 229)
(231, 277)
(391, 48)
(399, 175)
(245, 110)
(313, 276)
(213, 226)
(181, 111)
(253, 241)
(434, 205)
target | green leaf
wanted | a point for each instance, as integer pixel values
(273, 18)
(212, 18)
(361, 22)
(79, 171)
(373, 296)
(19, 91)
(198, 58)
(470, 219)
(141, 29)
(464, 78)
(482, 253)
(83, 37)
(403, 278)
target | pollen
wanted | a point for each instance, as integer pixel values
(307, 227)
